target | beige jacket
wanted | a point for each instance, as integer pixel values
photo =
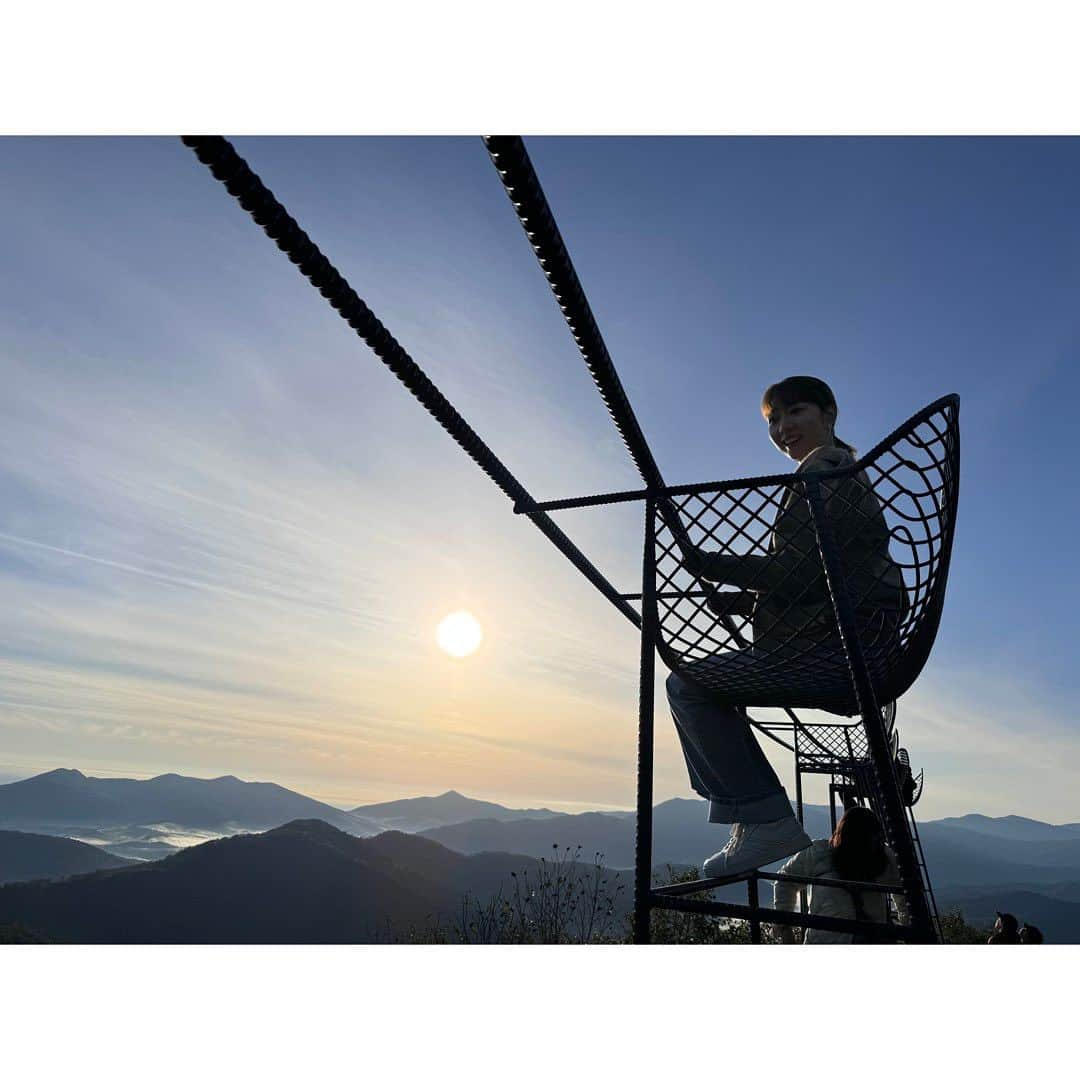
(816, 862)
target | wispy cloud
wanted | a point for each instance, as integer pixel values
(226, 532)
(225, 569)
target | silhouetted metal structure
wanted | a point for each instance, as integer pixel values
(872, 650)
(908, 485)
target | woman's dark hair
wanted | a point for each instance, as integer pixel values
(797, 388)
(1004, 930)
(1005, 922)
(1030, 935)
(858, 846)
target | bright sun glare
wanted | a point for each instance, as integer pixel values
(459, 634)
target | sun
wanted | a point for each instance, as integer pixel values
(459, 634)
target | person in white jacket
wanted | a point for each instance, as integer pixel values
(786, 595)
(856, 851)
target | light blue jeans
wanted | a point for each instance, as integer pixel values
(725, 762)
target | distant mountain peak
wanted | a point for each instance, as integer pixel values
(431, 811)
(62, 774)
(307, 827)
(174, 778)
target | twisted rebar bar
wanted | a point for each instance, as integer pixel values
(510, 158)
(221, 158)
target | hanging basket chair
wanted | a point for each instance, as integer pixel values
(777, 644)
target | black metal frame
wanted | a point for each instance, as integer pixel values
(871, 679)
(672, 897)
(924, 927)
(871, 682)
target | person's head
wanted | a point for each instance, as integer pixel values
(801, 413)
(1005, 924)
(1030, 935)
(858, 845)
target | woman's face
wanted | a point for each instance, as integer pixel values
(798, 428)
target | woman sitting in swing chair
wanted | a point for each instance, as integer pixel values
(787, 597)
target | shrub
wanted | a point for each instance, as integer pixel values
(955, 931)
(693, 928)
(562, 901)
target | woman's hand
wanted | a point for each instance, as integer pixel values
(730, 603)
(697, 562)
(712, 566)
(693, 559)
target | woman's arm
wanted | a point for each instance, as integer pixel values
(751, 573)
(800, 864)
(713, 565)
(790, 570)
(692, 555)
(785, 892)
(795, 567)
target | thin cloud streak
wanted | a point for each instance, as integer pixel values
(267, 595)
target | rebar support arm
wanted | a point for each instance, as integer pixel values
(511, 159)
(226, 165)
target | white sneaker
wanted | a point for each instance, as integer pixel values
(754, 846)
(721, 856)
(732, 844)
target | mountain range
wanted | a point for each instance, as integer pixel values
(154, 818)
(65, 798)
(301, 883)
(978, 863)
(997, 851)
(309, 883)
(24, 856)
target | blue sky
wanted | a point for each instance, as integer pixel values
(227, 533)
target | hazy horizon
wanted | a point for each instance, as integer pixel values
(338, 800)
(341, 802)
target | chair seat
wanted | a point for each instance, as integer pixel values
(812, 678)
